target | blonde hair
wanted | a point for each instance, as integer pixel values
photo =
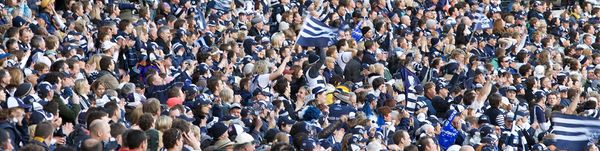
(164, 123)
(79, 83)
(95, 59)
(261, 67)
(277, 39)
(226, 95)
(329, 60)
(376, 68)
(17, 77)
(196, 130)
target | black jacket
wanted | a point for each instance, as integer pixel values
(353, 70)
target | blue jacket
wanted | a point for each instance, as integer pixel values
(15, 133)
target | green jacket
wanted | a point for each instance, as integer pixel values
(68, 113)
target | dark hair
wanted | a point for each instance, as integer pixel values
(146, 121)
(94, 115)
(170, 137)
(151, 107)
(469, 97)
(123, 24)
(212, 83)
(280, 86)
(91, 145)
(44, 130)
(105, 62)
(52, 77)
(378, 82)
(111, 108)
(424, 142)
(495, 100)
(411, 148)
(398, 135)
(134, 138)
(275, 147)
(117, 129)
(174, 92)
(181, 125)
(56, 66)
(298, 138)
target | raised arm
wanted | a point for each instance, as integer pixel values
(279, 70)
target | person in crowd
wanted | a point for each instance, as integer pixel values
(299, 75)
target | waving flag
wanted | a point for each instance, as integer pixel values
(449, 133)
(314, 33)
(482, 22)
(356, 33)
(574, 132)
(409, 81)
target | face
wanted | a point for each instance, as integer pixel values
(553, 100)
(236, 113)
(206, 108)
(301, 94)
(6, 79)
(100, 90)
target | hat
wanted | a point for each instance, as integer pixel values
(511, 88)
(318, 89)
(365, 29)
(259, 48)
(519, 87)
(285, 120)
(256, 20)
(486, 130)
(539, 95)
(370, 97)
(309, 144)
(244, 138)
(14, 102)
(23, 89)
(19, 21)
(235, 105)
(217, 130)
(181, 32)
(263, 105)
(261, 92)
(212, 23)
(174, 101)
(107, 45)
(562, 88)
(201, 101)
(483, 119)
(221, 144)
(310, 113)
(357, 139)
(536, 3)
(45, 3)
(44, 89)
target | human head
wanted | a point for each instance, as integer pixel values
(44, 130)
(172, 139)
(100, 130)
(136, 140)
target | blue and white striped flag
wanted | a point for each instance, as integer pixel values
(574, 132)
(315, 33)
(356, 33)
(482, 22)
(409, 81)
